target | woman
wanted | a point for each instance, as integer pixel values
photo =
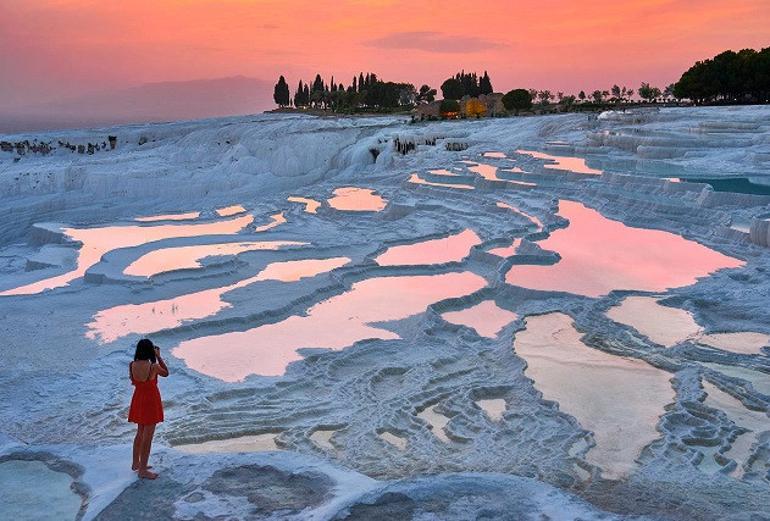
(146, 408)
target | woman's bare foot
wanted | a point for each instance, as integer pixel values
(136, 467)
(146, 474)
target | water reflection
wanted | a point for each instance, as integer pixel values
(275, 220)
(96, 242)
(444, 172)
(190, 257)
(599, 255)
(435, 251)
(507, 251)
(335, 324)
(663, 325)
(417, 180)
(756, 422)
(110, 324)
(570, 164)
(227, 211)
(169, 217)
(619, 399)
(534, 220)
(311, 205)
(486, 318)
(353, 199)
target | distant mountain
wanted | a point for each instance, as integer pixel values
(166, 101)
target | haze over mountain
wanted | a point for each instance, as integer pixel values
(163, 101)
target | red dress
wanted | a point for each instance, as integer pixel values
(146, 407)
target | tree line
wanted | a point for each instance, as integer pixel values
(729, 77)
(365, 91)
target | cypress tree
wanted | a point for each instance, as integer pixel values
(281, 92)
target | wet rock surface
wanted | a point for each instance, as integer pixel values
(416, 373)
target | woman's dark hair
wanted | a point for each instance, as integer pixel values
(145, 350)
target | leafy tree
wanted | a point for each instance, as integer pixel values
(616, 92)
(649, 93)
(545, 96)
(598, 96)
(485, 84)
(582, 95)
(728, 77)
(449, 107)
(452, 89)
(281, 93)
(318, 84)
(426, 94)
(517, 99)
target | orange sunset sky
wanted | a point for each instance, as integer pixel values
(53, 49)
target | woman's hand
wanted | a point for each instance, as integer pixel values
(157, 352)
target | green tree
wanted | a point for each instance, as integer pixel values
(649, 93)
(616, 93)
(452, 89)
(545, 97)
(281, 93)
(426, 94)
(449, 106)
(598, 96)
(582, 95)
(517, 99)
(485, 84)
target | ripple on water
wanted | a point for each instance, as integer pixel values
(599, 255)
(619, 399)
(353, 199)
(96, 242)
(334, 324)
(116, 322)
(453, 248)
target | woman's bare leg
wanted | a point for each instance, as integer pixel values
(137, 446)
(149, 432)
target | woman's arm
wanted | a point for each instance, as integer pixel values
(162, 368)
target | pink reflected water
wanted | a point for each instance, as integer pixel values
(227, 211)
(570, 164)
(189, 257)
(507, 251)
(352, 199)
(487, 318)
(275, 220)
(417, 180)
(169, 217)
(110, 324)
(435, 251)
(537, 222)
(335, 324)
(311, 205)
(98, 241)
(600, 255)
